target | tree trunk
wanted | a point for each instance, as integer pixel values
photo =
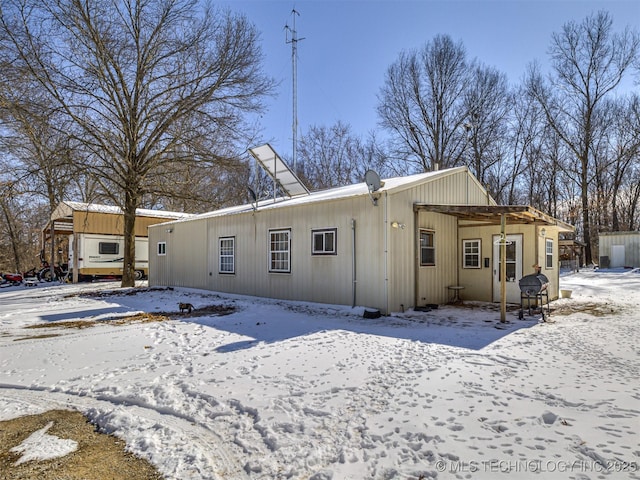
(12, 236)
(128, 264)
(586, 224)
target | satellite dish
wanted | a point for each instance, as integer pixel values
(372, 179)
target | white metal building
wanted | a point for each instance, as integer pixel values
(401, 246)
(619, 249)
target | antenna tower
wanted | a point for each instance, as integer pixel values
(294, 65)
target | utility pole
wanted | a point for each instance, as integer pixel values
(294, 65)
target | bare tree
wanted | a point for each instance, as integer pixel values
(9, 235)
(36, 140)
(421, 103)
(488, 101)
(589, 61)
(19, 240)
(524, 132)
(333, 156)
(624, 148)
(130, 75)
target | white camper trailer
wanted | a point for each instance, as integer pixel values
(88, 239)
(103, 255)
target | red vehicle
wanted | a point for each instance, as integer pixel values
(11, 278)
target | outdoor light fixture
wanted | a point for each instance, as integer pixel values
(169, 230)
(398, 225)
(543, 232)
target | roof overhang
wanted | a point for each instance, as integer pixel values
(483, 215)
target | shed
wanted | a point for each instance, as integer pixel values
(405, 245)
(73, 222)
(619, 249)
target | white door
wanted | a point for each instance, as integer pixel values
(514, 268)
(617, 256)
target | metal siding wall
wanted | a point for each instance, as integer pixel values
(184, 265)
(324, 279)
(159, 266)
(553, 274)
(454, 189)
(188, 244)
(370, 252)
(631, 242)
(433, 281)
(458, 188)
(478, 283)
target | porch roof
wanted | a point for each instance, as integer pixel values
(482, 215)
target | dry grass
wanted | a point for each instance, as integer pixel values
(117, 321)
(98, 457)
(592, 308)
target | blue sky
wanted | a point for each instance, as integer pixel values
(348, 45)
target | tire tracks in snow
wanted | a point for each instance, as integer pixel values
(213, 460)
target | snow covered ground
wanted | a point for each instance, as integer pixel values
(306, 391)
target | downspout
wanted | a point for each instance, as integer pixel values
(416, 260)
(503, 268)
(458, 251)
(386, 252)
(353, 261)
(211, 257)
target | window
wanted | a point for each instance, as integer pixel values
(280, 251)
(427, 248)
(162, 248)
(227, 255)
(549, 253)
(108, 248)
(323, 242)
(471, 253)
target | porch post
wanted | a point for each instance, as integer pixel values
(503, 268)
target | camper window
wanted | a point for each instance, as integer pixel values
(108, 248)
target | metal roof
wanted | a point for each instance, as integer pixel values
(393, 184)
(474, 215)
(66, 209)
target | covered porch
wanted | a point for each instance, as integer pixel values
(496, 245)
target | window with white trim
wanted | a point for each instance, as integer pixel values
(549, 253)
(162, 248)
(471, 253)
(427, 248)
(323, 242)
(280, 251)
(227, 255)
